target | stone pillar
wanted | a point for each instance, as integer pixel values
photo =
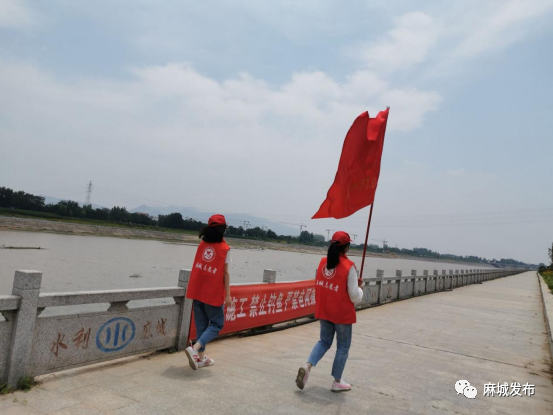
(414, 275)
(425, 278)
(26, 284)
(269, 276)
(436, 283)
(398, 275)
(446, 277)
(380, 274)
(456, 278)
(479, 276)
(185, 313)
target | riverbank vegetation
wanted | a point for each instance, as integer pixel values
(22, 204)
(547, 272)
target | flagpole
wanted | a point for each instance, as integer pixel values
(366, 239)
(368, 229)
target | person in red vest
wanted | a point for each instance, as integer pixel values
(209, 287)
(336, 293)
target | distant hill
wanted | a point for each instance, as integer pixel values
(234, 219)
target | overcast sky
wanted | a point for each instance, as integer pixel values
(242, 106)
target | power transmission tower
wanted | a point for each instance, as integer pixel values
(302, 226)
(354, 236)
(88, 194)
(328, 233)
(246, 224)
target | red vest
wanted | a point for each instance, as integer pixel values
(331, 293)
(207, 282)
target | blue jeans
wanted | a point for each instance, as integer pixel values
(209, 322)
(343, 338)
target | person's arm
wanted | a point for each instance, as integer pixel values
(355, 293)
(228, 300)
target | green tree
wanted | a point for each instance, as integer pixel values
(173, 220)
(271, 234)
(306, 237)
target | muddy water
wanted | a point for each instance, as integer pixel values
(77, 263)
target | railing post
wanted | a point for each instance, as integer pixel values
(456, 278)
(185, 312)
(26, 284)
(380, 274)
(436, 284)
(414, 275)
(480, 276)
(425, 278)
(398, 275)
(269, 276)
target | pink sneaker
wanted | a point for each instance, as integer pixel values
(341, 386)
(207, 361)
(193, 357)
(303, 375)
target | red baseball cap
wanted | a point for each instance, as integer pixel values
(341, 237)
(216, 220)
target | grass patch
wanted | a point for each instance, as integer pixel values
(26, 383)
(5, 389)
(548, 278)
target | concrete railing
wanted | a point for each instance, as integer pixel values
(383, 289)
(32, 345)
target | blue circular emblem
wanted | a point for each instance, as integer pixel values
(115, 334)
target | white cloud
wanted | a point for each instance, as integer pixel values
(499, 25)
(14, 14)
(407, 43)
(446, 39)
(171, 118)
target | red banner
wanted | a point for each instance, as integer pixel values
(264, 304)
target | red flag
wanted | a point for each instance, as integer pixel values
(357, 176)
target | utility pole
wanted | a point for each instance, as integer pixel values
(302, 226)
(246, 224)
(88, 194)
(328, 233)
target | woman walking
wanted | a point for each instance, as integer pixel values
(209, 287)
(337, 292)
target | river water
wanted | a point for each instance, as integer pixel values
(79, 263)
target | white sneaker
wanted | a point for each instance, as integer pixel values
(207, 361)
(193, 357)
(341, 386)
(303, 375)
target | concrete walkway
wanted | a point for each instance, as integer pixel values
(405, 358)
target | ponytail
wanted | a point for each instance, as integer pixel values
(333, 255)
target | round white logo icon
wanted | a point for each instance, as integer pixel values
(464, 387)
(328, 273)
(209, 254)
